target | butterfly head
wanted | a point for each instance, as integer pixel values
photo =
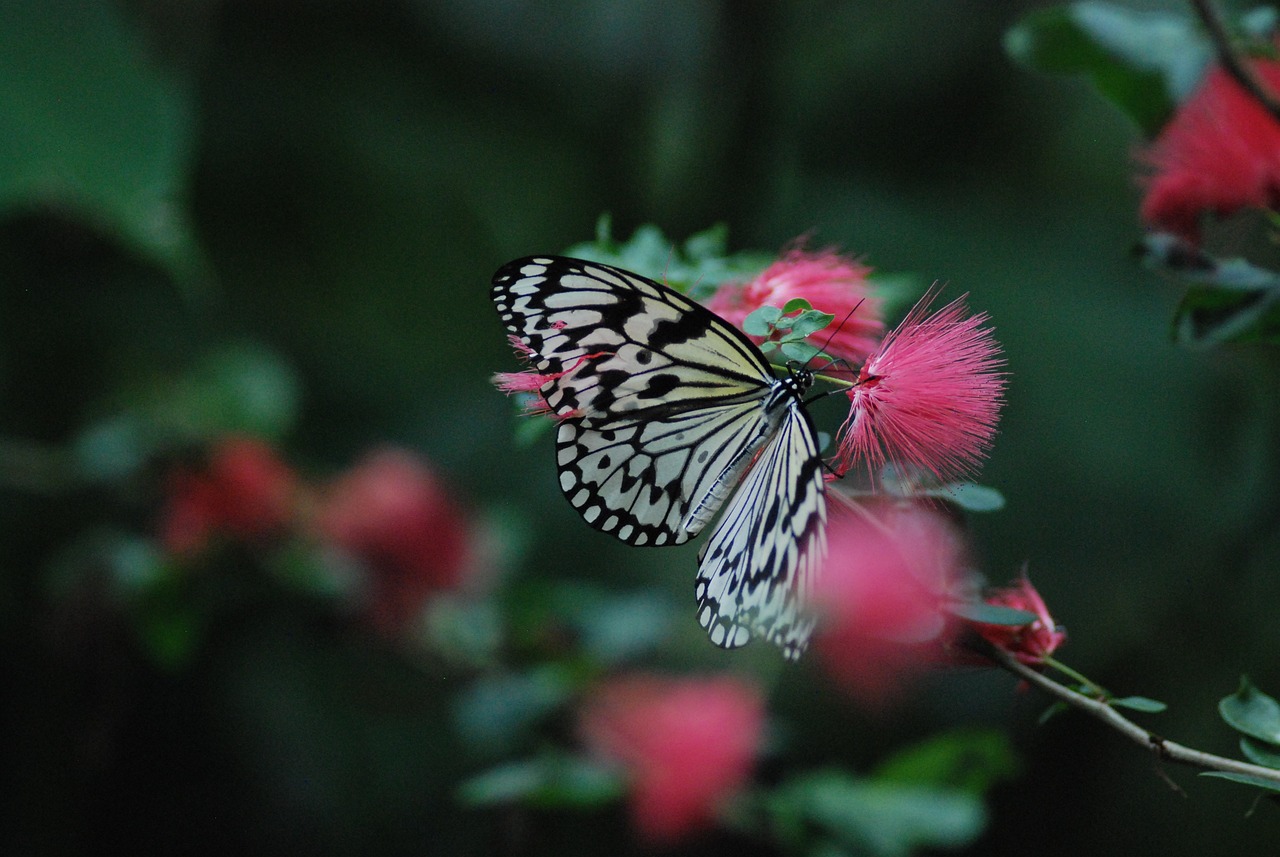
(801, 376)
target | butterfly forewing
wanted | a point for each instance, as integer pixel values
(756, 571)
(662, 406)
(625, 343)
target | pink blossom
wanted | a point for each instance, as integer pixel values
(684, 744)
(394, 513)
(243, 490)
(889, 570)
(1219, 153)
(1030, 643)
(929, 397)
(830, 282)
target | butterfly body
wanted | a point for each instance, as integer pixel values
(667, 414)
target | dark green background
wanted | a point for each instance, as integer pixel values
(337, 181)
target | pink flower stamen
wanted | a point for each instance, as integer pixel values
(929, 397)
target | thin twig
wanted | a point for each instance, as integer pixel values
(1163, 748)
(1235, 65)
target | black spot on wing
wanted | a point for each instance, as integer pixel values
(667, 332)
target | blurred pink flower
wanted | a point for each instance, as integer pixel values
(1030, 643)
(686, 744)
(830, 282)
(1218, 154)
(243, 490)
(392, 511)
(880, 595)
(930, 395)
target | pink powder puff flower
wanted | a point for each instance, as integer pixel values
(929, 397)
(1218, 154)
(685, 745)
(395, 514)
(829, 281)
(1030, 643)
(880, 597)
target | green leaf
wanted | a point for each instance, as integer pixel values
(495, 712)
(796, 305)
(618, 628)
(1144, 62)
(1260, 752)
(971, 761)
(91, 123)
(545, 781)
(1246, 779)
(991, 614)
(801, 352)
(529, 427)
(969, 496)
(1229, 301)
(760, 322)
(810, 322)
(696, 268)
(880, 817)
(1252, 712)
(1051, 712)
(1138, 703)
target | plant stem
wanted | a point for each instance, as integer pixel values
(1096, 689)
(1164, 749)
(1234, 64)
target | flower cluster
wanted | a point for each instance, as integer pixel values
(390, 514)
(685, 745)
(1220, 153)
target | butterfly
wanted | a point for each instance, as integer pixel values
(665, 413)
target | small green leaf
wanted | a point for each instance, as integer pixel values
(549, 781)
(796, 305)
(810, 322)
(1252, 712)
(1230, 300)
(696, 268)
(969, 496)
(760, 322)
(1260, 752)
(971, 761)
(1052, 711)
(991, 614)
(708, 245)
(530, 427)
(880, 817)
(1138, 703)
(801, 352)
(496, 711)
(1246, 779)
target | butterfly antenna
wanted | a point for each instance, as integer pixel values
(832, 335)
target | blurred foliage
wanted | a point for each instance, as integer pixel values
(281, 219)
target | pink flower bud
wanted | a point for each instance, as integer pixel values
(1030, 643)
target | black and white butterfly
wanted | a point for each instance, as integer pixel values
(665, 411)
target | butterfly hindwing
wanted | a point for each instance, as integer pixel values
(756, 571)
(662, 407)
(638, 478)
